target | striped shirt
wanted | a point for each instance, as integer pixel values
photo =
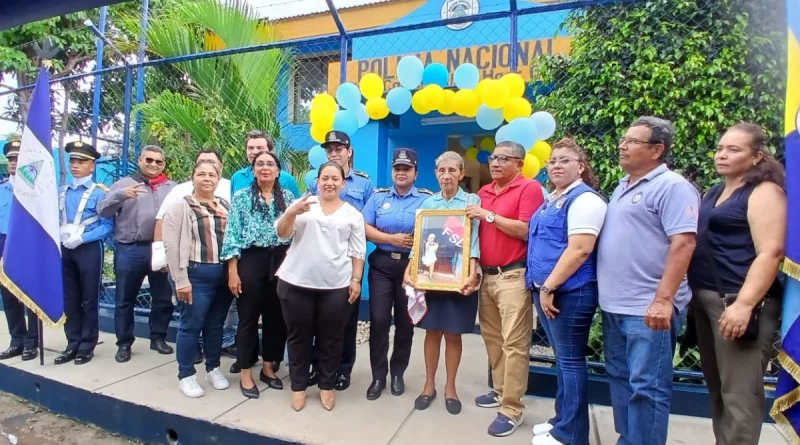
(208, 229)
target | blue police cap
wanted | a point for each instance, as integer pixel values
(404, 156)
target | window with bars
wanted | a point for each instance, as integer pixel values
(310, 78)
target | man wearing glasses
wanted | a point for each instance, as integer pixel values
(133, 203)
(505, 313)
(642, 257)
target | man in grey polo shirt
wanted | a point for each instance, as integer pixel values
(643, 253)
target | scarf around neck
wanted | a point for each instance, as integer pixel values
(152, 183)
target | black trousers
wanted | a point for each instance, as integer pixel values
(259, 299)
(310, 313)
(82, 270)
(386, 292)
(22, 334)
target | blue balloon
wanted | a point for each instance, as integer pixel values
(409, 71)
(348, 95)
(466, 141)
(545, 124)
(466, 76)
(501, 135)
(398, 100)
(346, 121)
(483, 157)
(488, 118)
(361, 114)
(311, 178)
(317, 156)
(435, 74)
(522, 131)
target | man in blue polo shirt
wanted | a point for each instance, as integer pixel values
(643, 253)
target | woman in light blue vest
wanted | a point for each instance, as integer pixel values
(562, 275)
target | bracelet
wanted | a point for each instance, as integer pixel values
(356, 280)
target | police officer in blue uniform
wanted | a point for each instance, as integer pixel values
(357, 191)
(389, 217)
(24, 338)
(82, 233)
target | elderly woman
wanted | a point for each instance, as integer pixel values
(562, 273)
(449, 314)
(193, 231)
(740, 239)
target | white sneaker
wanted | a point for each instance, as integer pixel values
(217, 380)
(545, 439)
(190, 388)
(540, 429)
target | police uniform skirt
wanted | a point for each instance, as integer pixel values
(450, 312)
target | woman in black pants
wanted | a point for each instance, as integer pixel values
(254, 252)
(319, 280)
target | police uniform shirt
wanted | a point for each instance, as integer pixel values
(73, 194)
(391, 213)
(6, 195)
(357, 189)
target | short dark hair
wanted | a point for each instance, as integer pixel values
(661, 132)
(516, 148)
(258, 134)
(203, 151)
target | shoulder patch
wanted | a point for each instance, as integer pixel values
(425, 191)
(381, 190)
(360, 173)
(103, 187)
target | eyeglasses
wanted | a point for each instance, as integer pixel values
(335, 149)
(158, 162)
(262, 164)
(502, 158)
(563, 162)
(626, 141)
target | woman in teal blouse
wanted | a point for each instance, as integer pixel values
(449, 314)
(254, 252)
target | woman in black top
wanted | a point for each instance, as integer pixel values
(740, 241)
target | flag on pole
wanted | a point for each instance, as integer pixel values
(786, 409)
(31, 263)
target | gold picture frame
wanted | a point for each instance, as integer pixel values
(441, 237)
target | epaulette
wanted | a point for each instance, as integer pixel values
(4, 181)
(425, 191)
(381, 190)
(360, 173)
(102, 187)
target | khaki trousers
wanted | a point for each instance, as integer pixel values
(506, 320)
(734, 370)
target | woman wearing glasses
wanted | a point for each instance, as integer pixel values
(562, 274)
(254, 252)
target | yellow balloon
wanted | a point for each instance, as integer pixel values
(447, 106)
(418, 103)
(466, 103)
(531, 166)
(321, 116)
(495, 94)
(487, 143)
(515, 84)
(433, 96)
(371, 85)
(541, 150)
(516, 107)
(324, 101)
(318, 132)
(377, 109)
(480, 87)
(471, 154)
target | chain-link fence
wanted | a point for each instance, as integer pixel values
(595, 65)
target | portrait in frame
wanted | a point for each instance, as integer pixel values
(441, 250)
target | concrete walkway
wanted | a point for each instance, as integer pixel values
(150, 379)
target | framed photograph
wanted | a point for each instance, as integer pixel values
(441, 250)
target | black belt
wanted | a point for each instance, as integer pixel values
(393, 255)
(521, 264)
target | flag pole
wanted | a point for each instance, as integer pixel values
(41, 340)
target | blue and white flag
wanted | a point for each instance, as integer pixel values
(31, 263)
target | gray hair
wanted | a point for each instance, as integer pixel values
(450, 156)
(516, 149)
(152, 148)
(662, 131)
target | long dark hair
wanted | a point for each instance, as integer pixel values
(588, 176)
(277, 191)
(768, 168)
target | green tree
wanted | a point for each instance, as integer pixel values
(703, 64)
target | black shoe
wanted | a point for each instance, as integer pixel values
(276, 366)
(83, 357)
(66, 356)
(375, 389)
(230, 351)
(199, 357)
(453, 406)
(275, 383)
(313, 378)
(161, 346)
(342, 382)
(251, 393)
(424, 401)
(14, 351)
(235, 369)
(29, 354)
(398, 385)
(123, 354)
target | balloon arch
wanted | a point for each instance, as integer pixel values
(490, 101)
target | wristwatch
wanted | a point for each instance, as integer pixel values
(490, 218)
(547, 290)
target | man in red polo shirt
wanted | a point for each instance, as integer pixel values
(506, 317)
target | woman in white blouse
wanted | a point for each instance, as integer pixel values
(319, 280)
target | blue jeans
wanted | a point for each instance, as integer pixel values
(229, 328)
(568, 334)
(639, 367)
(210, 302)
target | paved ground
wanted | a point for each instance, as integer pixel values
(150, 379)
